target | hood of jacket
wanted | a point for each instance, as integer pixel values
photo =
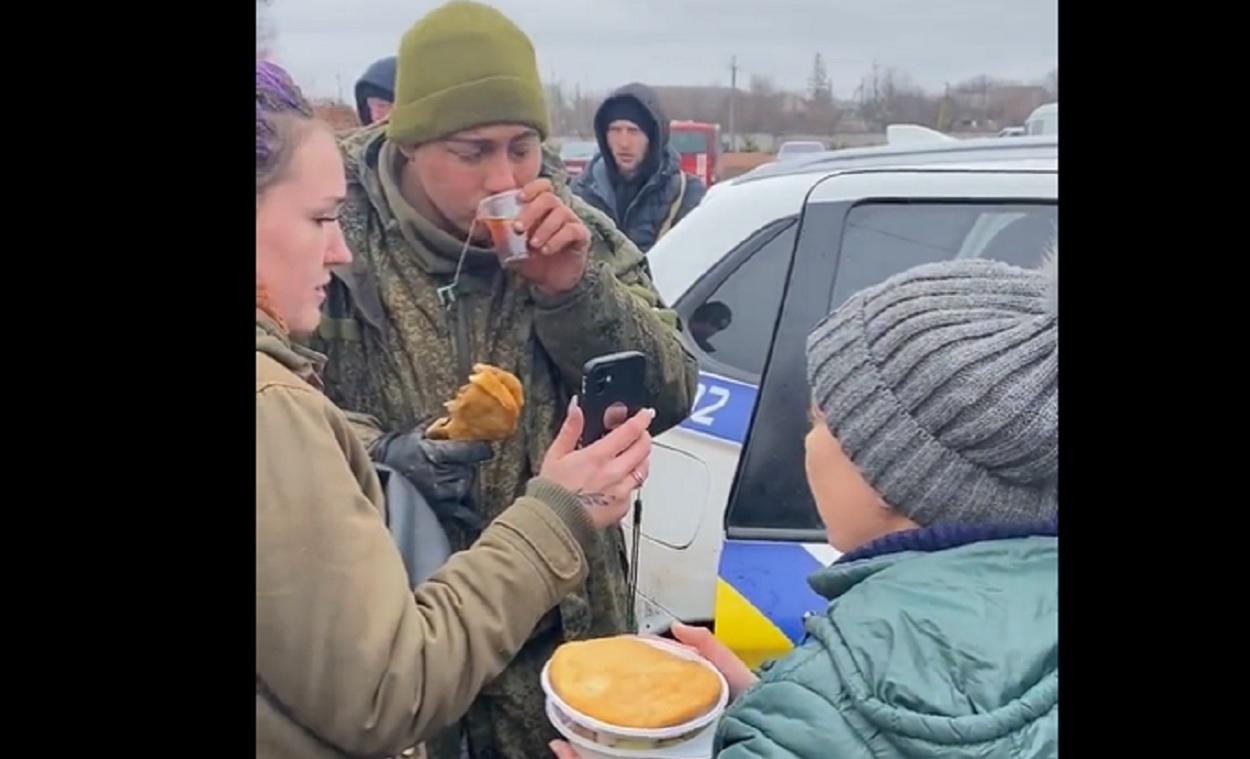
(599, 176)
(657, 147)
(377, 81)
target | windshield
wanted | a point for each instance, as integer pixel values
(689, 142)
(575, 150)
(1045, 124)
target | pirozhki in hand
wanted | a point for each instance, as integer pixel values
(486, 408)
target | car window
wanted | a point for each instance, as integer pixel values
(732, 327)
(879, 240)
(882, 239)
(1048, 124)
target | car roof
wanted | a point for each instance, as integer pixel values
(733, 209)
(1044, 148)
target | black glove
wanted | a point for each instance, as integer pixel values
(442, 470)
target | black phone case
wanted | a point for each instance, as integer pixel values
(609, 380)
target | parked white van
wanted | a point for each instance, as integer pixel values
(1043, 120)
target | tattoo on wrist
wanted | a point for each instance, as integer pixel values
(591, 500)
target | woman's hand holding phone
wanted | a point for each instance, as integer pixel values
(605, 472)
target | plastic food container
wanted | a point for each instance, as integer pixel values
(595, 739)
(698, 746)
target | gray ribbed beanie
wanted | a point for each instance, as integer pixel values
(941, 384)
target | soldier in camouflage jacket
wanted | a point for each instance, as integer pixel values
(398, 347)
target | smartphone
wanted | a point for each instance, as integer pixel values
(606, 382)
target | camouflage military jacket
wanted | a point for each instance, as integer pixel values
(397, 352)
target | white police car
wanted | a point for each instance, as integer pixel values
(729, 529)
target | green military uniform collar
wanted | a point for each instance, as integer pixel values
(437, 252)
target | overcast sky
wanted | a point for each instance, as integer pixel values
(600, 44)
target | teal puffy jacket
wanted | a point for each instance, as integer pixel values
(921, 653)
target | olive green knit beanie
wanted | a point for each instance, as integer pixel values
(464, 65)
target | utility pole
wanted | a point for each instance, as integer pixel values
(733, 96)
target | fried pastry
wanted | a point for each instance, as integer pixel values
(625, 682)
(486, 408)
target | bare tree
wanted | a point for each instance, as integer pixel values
(582, 112)
(992, 103)
(889, 96)
(821, 115)
(763, 107)
(708, 104)
(557, 108)
(870, 102)
(883, 96)
(973, 99)
(905, 102)
(819, 88)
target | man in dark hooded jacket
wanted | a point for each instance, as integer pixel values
(375, 91)
(636, 179)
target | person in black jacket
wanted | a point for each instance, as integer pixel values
(375, 91)
(636, 179)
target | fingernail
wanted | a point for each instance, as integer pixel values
(572, 403)
(547, 250)
(517, 226)
(651, 412)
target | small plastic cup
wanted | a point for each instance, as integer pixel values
(498, 212)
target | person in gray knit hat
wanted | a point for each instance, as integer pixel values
(941, 388)
(933, 461)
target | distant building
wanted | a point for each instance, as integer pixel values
(1014, 103)
(996, 105)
